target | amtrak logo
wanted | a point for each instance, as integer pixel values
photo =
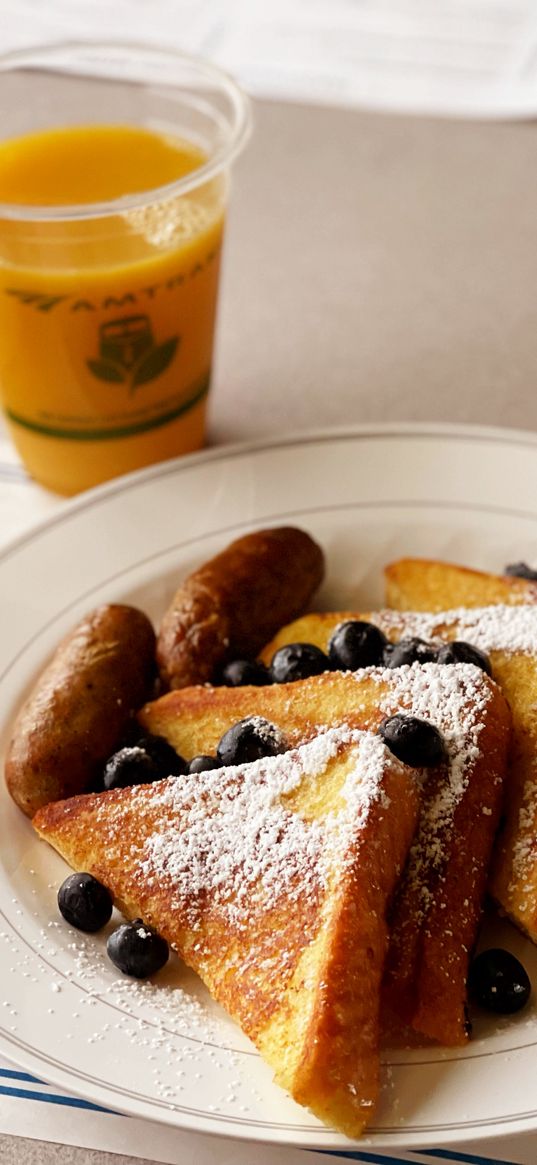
(128, 353)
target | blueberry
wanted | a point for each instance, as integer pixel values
(202, 764)
(130, 766)
(167, 760)
(461, 652)
(249, 740)
(137, 950)
(84, 902)
(498, 982)
(297, 661)
(408, 651)
(521, 570)
(415, 742)
(245, 671)
(356, 644)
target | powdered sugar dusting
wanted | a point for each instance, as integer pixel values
(495, 628)
(509, 629)
(230, 835)
(454, 699)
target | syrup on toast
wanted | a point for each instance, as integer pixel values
(446, 874)
(272, 881)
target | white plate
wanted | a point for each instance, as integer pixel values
(168, 1054)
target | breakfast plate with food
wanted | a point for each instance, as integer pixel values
(269, 808)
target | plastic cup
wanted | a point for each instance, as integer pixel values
(107, 308)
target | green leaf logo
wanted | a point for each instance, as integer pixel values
(128, 353)
(106, 370)
(155, 362)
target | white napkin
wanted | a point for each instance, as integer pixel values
(461, 57)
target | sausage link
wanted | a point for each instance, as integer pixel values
(234, 603)
(76, 714)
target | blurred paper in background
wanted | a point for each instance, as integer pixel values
(462, 57)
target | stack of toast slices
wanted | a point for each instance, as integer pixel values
(441, 602)
(326, 895)
(498, 614)
(331, 894)
(438, 901)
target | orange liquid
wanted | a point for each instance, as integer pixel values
(106, 323)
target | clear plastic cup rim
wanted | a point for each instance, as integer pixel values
(240, 129)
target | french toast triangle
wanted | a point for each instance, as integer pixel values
(507, 632)
(438, 903)
(505, 625)
(272, 881)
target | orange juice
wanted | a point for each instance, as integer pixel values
(107, 312)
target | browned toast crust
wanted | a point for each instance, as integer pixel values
(427, 964)
(333, 1050)
(422, 584)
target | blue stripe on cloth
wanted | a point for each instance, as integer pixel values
(19, 1076)
(51, 1098)
(438, 1154)
(367, 1158)
(465, 1158)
